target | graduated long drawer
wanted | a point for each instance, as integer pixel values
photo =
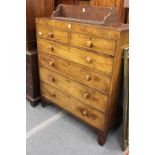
(85, 75)
(75, 89)
(74, 106)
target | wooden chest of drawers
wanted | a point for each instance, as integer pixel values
(80, 67)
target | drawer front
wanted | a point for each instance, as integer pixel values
(77, 108)
(83, 57)
(75, 89)
(85, 75)
(99, 44)
(52, 33)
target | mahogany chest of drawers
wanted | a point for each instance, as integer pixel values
(79, 67)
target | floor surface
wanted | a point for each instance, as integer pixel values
(51, 131)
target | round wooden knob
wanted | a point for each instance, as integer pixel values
(89, 43)
(40, 33)
(85, 112)
(88, 77)
(51, 63)
(50, 34)
(53, 94)
(86, 95)
(52, 79)
(50, 48)
(88, 59)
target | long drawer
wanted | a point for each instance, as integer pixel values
(75, 89)
(85, 75)
(99, 44)
(69, 103)
(83, 57)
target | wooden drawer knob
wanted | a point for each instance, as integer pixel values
(88, 59)
(50, 48)
(88, 77)
(52, 79)
(40, 33)
(89, 43)
(51, 63)
(69, 26)
(50, 34)
(85, 112)
(53, 94)
(86, 95)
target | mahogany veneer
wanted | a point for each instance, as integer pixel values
(80, 69)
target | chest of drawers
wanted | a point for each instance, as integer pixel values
(80, 67)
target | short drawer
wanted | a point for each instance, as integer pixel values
(72, 105)
(85, 75)
(83, 57)
(75, 89)
(52, 33)
(98, 44)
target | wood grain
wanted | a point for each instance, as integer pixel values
(111, 32)
(35, 8)
(76, 72)
(98, 62)
(99, 44)
(114, 102)
(53, 33)
(119, 4)
(75, 89)
(82, 80)
(83, 111)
